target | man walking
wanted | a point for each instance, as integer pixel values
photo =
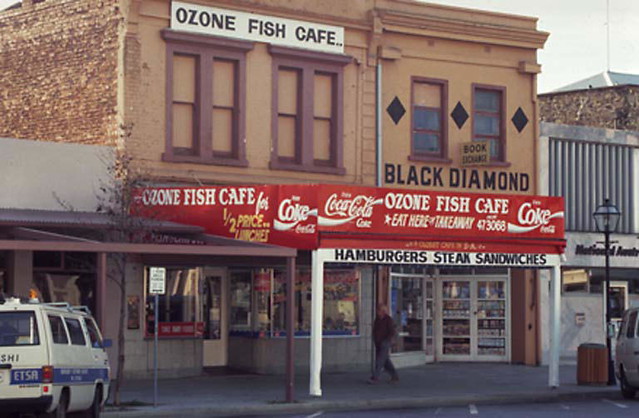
(383, 335)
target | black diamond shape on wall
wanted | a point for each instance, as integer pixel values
(520, 120)
(396, 110)
(459, 115)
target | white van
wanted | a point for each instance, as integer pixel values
(52, 360)
(627, 354)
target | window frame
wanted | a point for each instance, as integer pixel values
(68, 320)
(502, 160)
(442, 156)
(309, 63)
(64, 327)
(207, 49)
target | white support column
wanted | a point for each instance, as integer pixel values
(555, 326)
(317, 305)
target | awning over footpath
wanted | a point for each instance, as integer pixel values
(374, 225)
(44, 230)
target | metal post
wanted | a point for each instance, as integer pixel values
(611, 366)
(101, 289)
(378, 124)
(290, 330)
(156, 310)
(317, 302)
(555, 326)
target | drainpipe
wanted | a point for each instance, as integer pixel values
(378, 121)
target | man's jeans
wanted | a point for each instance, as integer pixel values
(383, 361)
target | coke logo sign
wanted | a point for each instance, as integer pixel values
(290, 213)
(531, 218)
(528, 215)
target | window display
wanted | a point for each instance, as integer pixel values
(491, 318)
(180, 308)
(456, 317)
(341, 302)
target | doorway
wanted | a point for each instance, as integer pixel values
(412, 306)
(215, 344)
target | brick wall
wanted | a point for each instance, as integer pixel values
(612, 107)
(58, 71)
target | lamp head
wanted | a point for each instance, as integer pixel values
(607, 217)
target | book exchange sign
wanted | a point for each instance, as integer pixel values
(205, 20)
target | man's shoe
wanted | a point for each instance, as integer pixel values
(373, 381)
(394, 379)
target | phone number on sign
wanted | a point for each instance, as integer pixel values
(491, 225)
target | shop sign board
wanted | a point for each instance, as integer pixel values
(587, 250)
(475, 153)
(157, 280)
(255, 27)
(442, 258)
(296, 215)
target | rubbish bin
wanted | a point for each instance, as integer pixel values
(592, 364)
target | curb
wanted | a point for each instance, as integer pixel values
(352, 405)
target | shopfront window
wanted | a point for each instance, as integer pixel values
(180, 308)
(265, 292)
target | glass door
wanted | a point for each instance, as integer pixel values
(456, 329)
(474, 319)
(491, 317)
(407, 312)
(412, 306)
(429, 315)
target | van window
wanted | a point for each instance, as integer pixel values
(58, 331)
(94, 334)
(18, 328)
(632, 325)
(75, 331)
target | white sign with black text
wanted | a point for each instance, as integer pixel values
(254, 27)
(157, 280)
(377, 256)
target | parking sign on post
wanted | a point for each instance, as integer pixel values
(157, 280)
(157, 286)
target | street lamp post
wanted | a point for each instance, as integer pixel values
(606, 218)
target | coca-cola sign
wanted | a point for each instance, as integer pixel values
(303, 216)
(342, 208)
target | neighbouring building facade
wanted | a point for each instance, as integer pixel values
(423, 101)
(589, 150)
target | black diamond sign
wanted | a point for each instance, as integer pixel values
(459, 115)
(520, 120)
(396, 110)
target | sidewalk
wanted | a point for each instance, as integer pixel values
(431, 385)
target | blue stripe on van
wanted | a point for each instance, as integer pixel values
(62, 375)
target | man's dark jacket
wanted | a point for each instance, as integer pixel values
(383, 330)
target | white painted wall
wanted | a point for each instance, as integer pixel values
(33, 172)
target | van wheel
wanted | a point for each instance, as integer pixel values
(61, 410)
(627, 391)
(94, 410)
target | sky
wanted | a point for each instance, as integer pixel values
(576, 48)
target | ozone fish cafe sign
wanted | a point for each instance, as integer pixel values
(426, 225)
(205, 20)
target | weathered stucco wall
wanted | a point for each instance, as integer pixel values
(611, 107)
(58, 71)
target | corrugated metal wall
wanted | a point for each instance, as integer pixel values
(585, 173)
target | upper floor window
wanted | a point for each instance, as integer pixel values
(429, 130)
(488, 120)
(307, 126)
(205, 95)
